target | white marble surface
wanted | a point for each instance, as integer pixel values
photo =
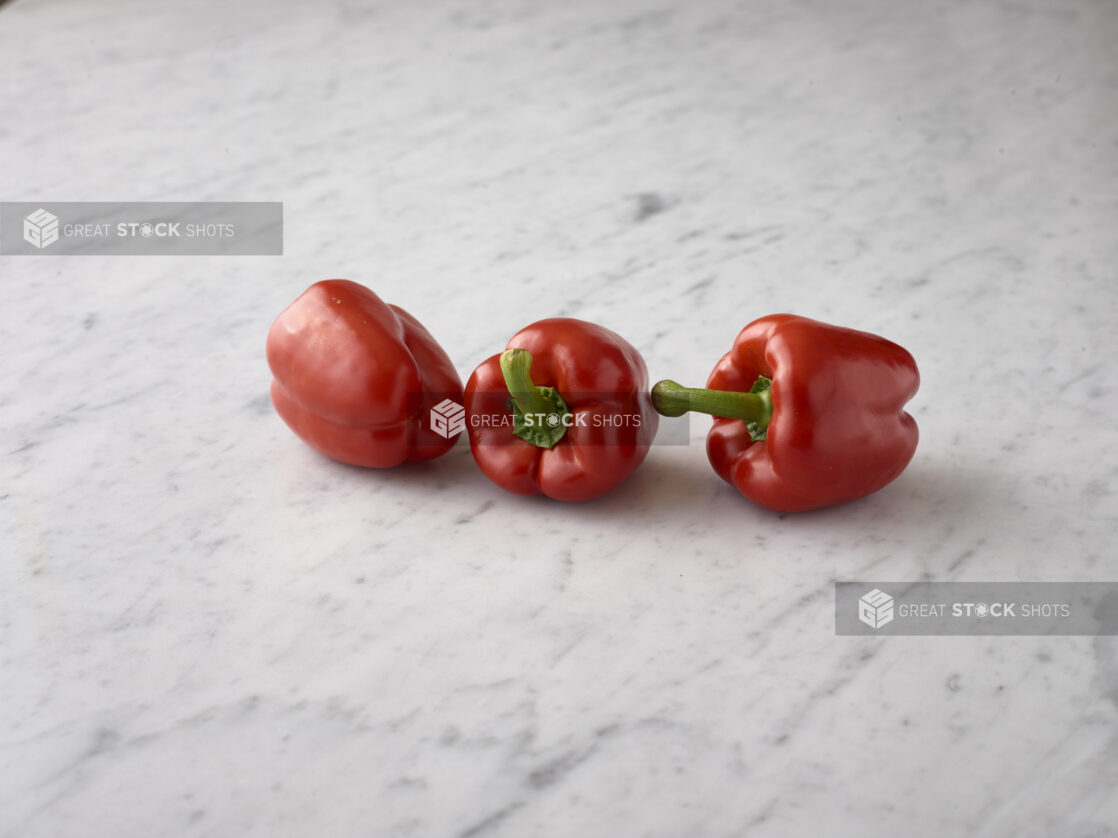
(206, 629)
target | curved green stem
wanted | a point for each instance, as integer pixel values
(754, 408)
(516, 366)
(539, 413)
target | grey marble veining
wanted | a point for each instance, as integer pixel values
(205, 628)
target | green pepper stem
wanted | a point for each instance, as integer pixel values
(516, 366)
(539, 414)
(671, 399)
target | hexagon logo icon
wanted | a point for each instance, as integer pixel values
(40, 228)
(875, 609)
(448, 418)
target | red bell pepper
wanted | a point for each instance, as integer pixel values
(807, 415)
(564, 411)
(356, 378)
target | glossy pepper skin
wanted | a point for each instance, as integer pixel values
(838, 430)
(604, 382)
(355, 378)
